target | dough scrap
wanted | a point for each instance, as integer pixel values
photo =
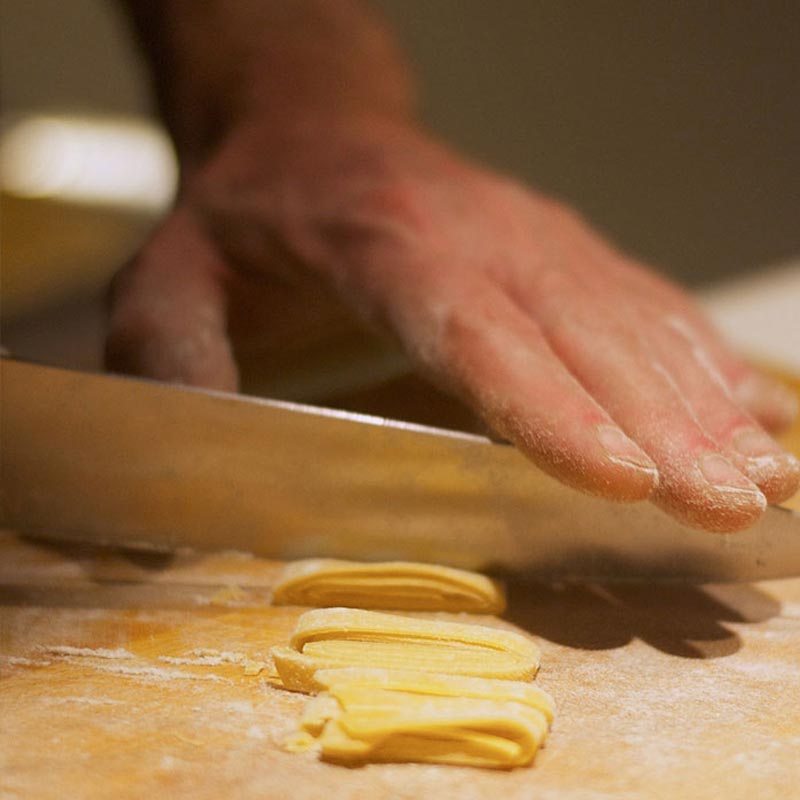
(253, 667)
(341, 637)
(389, 585)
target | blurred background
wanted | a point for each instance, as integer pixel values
(673, 126)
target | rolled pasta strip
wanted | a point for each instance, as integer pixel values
(390, 585)
(369, 724)
(339, 637)
(430, 684)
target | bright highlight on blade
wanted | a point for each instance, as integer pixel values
(106, 161)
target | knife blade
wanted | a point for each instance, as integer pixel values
(130, 462)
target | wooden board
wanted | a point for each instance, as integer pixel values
(662, 691)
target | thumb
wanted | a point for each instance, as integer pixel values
(168, 310)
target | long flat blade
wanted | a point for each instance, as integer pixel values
(131, 462)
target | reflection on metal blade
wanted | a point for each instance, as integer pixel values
(125, 461)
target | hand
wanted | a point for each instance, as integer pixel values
(604, 374)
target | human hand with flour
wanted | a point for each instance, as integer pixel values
(310, 170)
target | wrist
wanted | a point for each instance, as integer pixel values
(217, 65)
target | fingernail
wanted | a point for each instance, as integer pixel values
(754, 443)
(720, 473)
(621, 448)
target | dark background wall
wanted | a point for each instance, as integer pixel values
(674, 125)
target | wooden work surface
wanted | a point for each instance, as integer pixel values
(662, 691)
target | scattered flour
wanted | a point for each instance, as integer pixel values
(157, 674)
(92, 652)
(86, 701)
(205, 658)
(772, 672)
(21, 661)
(239, 707)
(167, 763)
(254, 732)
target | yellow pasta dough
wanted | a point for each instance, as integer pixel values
(380, 715)
(390, 585)
(340, 637)
(429, 684)
(399, 688)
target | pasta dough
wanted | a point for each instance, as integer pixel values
(384, 715)
(340, 637)
(390, 585)
(428, 684)
(397, 688)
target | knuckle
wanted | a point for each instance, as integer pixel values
(459, 330)
(468, 330)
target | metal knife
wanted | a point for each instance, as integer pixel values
(132, 462)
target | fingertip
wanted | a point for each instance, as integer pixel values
(169, 330)
(629, 473)
(763, 461)
(778, 476)
(616, 481)
(575, 458)
(716, 511)
(168, 311)
(712, 495)
(189, 355)
(626, 482)
(721, 514)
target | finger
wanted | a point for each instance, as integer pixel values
(607, 350)
(771, 403)
(496, 356)
(745, 443)
(167, 316)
